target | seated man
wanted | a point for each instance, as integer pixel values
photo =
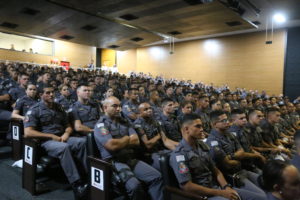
(152, 135)
(196, 172)
(270, 133)
(169, 120)
(238, 129)
(48, 121)
(116, 140)
(24, 103)
(228, 154)
(255, 134)
(85, 112)
(130, 107)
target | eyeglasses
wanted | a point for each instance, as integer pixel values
(223, 121)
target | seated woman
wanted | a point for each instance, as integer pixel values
(24, 103)
(64, 99)
(281, 181)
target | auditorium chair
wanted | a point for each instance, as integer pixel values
(17, 132)
(33, 178)
(101, 175)
(172, 190)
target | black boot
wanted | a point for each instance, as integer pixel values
(80, 190)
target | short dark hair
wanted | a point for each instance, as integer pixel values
(41, 90)
(132, 89)
(189, 118)
(237, 112)
(184, 103)
(271, 110)
(213, 101)
(272, 174)
(214, 115)
(165, 101)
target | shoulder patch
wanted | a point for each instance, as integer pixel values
(100, 125)
(103, 131)
(180, 158)
(214, 143)
(233, 133)
(183, 168)
(28, 112)
(137, 126)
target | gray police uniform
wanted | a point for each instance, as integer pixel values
(171, 127)
(222, 145)
(129, 169)
(16, 93)
(195, 165)
(151, 128)
(269, 133)
(54, 121)
(88, 113)
(66, 103)
(128, 108)
(205, 120)
(156, 111)
(243, 134)
(24, 103)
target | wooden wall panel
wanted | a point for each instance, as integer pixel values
(239, 61)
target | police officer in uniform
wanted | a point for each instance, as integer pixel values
(238, 129)
(130, 107)
(270, 135)
(194, 169)
(64, 98)
(47, 120)
(24, 103)
(85, 112)
(202, 111)
(19, 91)
(116, 140)
(155, 104)
(227, 152)
(152, 136)
(169, 121)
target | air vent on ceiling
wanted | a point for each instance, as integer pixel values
(234, 23)
(129, 17)
(174, 33)
(88, 27)
(66, 37)
(29, 11)
(196, 2)
(9, 25)
(256, 22)
(137, 39)
(113, 46)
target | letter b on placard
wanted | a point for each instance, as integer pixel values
(97, 178)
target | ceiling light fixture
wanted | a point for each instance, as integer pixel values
(279, 18)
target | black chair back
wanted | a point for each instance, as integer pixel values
(92, 149)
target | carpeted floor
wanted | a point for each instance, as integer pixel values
(11, 183)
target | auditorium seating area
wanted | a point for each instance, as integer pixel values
(170, 100)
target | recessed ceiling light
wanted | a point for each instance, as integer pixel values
(279, 18)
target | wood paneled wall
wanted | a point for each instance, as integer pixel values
(78, 55)
(240, 61)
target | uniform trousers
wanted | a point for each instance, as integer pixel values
(65, 151)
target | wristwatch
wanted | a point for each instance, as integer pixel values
(225, 186)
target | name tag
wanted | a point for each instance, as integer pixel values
(214, 143)
(180, 158)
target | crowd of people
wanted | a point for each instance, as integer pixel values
(222, 143)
